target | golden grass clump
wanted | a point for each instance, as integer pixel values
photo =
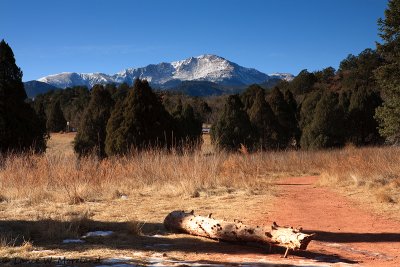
(134, 226)
(64, 178)
(383, 197)
(375, 171)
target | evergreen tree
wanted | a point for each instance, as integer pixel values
(233, 127)
(139, 122)
(42, 117)
(356, 71)
(265, 123)
(249, 95)
(55, 120)
(91, 134)
(285, 115)
(120, 93)
(202, 110)
(326, 75)
(73, 102)
(20, 127)
(363, 128)
(188, 128)
(303, 83)
(326, 129)
(293, 117)
(307, 110)
(388, 75)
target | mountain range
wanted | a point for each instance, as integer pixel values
(202, 75)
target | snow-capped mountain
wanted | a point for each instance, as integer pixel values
(69, 79)
(283, 76)
(208, 68)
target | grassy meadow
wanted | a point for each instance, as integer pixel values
(48, 198)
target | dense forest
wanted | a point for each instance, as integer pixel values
(358, 104)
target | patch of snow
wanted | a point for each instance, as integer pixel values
(283, 76)
(69, 241)
(157, 236)
(117, 260)
(98, 233)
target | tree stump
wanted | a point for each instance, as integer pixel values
(287, 237)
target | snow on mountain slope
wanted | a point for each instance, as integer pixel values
(283, 76)
(69, 79)
(209, 68)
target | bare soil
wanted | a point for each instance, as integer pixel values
(347, 233)
(346, 230)
(350, 231)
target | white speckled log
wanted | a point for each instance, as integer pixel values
(236, 231)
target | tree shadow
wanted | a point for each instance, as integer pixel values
(60, 262)
(344, 237)
(49, 235)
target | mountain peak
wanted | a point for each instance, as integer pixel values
(206, 67)
(282, 75)
(210, 56)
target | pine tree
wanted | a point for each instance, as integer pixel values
(285, 115)
(303, 83)
(55, 120)
(91, 134)
(233, 128)
(325, 76)
(20, 127)
(188, 128)
(138, 122)
(42, 117)
(203, 110)
(249, 95)
(363, 128)
(263, 119)
(326, 129)
(293, 118)
(307, 110)
(388, 75)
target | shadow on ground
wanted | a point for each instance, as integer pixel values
(343, 237)
(49, 234)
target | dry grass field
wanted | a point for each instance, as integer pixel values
(53, 197)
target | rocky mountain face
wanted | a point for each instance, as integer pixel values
(203, 70)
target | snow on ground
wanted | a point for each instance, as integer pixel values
(98, 233)
(68, 241)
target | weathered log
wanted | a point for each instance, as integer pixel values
(287, 237)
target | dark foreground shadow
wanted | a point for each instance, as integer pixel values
(132, 263)
(49, 235)
(343, 237)
(97, 262)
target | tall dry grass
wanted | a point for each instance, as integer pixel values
(376, 171)
(63, 177)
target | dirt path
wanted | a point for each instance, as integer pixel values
(346, 232)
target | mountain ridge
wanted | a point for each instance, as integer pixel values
(206, 67)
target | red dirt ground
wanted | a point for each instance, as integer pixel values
(346, 231)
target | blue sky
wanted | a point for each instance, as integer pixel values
(107, 36)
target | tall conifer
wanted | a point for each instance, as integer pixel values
(20, 127)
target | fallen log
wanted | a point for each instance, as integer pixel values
(287, 237)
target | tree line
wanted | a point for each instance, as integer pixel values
(323, 109)
(359, 103)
